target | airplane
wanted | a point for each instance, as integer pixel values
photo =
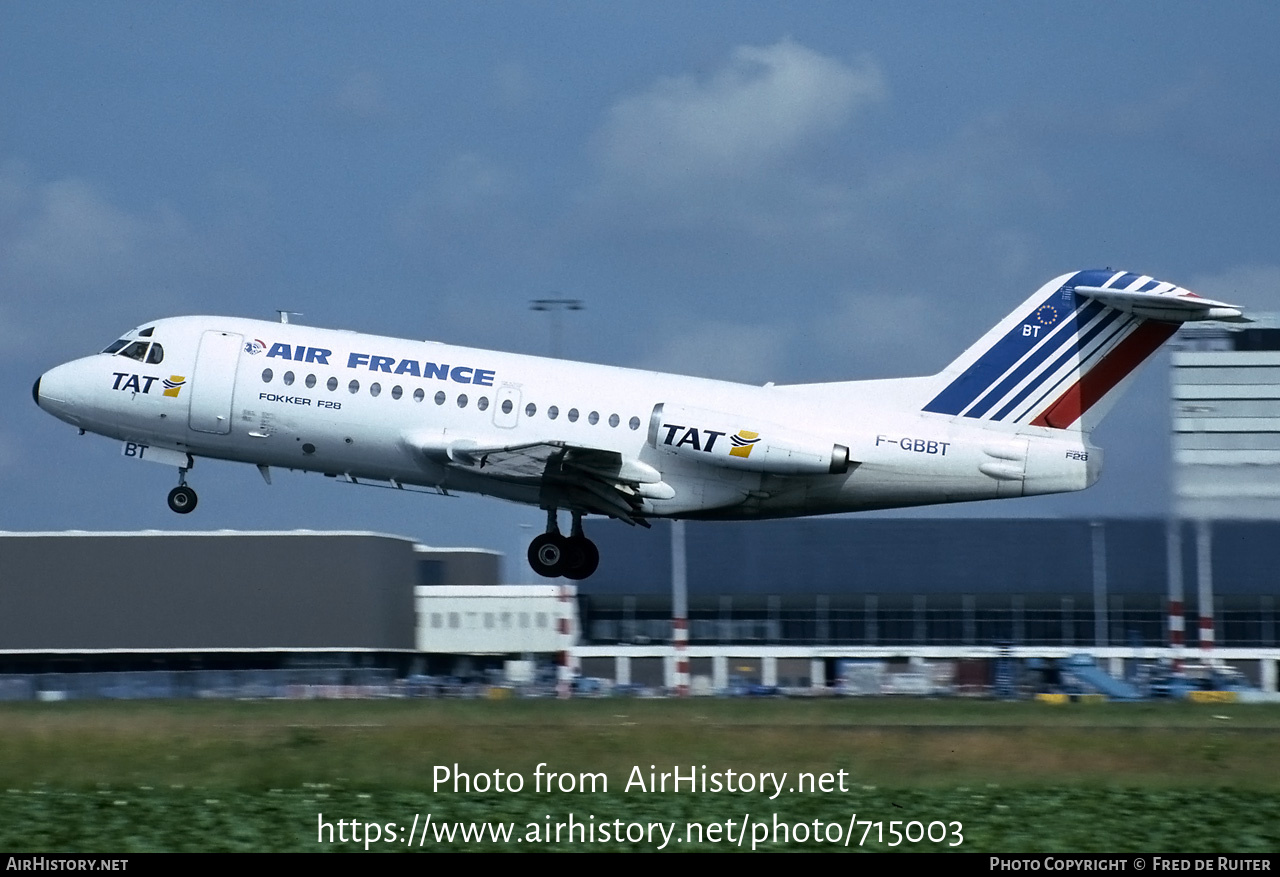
(1011, 416)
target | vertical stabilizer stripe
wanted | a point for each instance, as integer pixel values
(1067, 337)
(1101, 379)
(992, 364)
(1076, 350)
(1071, 372)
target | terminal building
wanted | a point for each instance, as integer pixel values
(770, 602)
(1226, 421)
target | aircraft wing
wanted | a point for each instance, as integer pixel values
(591, 479)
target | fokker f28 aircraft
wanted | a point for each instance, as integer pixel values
(1012, 416)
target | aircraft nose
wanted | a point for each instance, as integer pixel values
(56, 392)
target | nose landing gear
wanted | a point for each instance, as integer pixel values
(574, 556)
(182, 499)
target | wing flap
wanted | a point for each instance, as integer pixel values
(574, 477)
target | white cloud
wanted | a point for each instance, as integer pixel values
(66, 250)
(760, 107)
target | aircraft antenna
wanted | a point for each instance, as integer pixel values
(284, 315)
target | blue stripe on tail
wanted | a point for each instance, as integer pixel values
(988, 368)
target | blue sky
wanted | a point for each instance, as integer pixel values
(755, 191)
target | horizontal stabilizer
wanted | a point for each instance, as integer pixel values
(1174, 305)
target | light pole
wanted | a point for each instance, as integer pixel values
(554, 307)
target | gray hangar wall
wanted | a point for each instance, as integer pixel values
(198, 591)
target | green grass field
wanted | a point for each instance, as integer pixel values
(1019, 777)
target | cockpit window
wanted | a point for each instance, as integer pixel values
(146, 333)
(116, 345)
(156, 355)
(137, 350)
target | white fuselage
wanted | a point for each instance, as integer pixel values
(365, 407)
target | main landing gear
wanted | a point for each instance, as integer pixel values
(573, 556)
(182, 499)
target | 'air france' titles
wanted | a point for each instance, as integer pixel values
(461, 374)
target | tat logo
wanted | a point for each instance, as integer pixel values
(743, 442)
(126, 383)
(705, 439)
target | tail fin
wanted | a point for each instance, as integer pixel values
(1061, 359)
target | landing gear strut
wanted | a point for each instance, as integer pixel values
(574, 556)
(182, 499)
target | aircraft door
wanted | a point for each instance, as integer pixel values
(506, 407)
(214, 382)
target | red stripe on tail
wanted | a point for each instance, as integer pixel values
(1102, 378)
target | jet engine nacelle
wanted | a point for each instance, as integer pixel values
(739, 442)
